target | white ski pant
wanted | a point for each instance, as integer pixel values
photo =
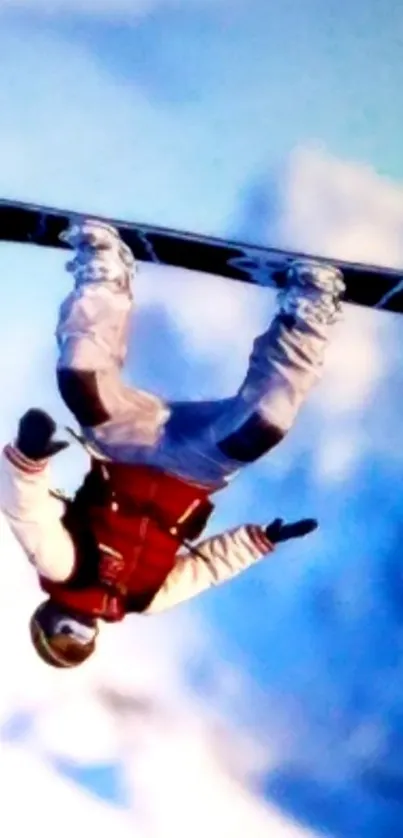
(204, 442)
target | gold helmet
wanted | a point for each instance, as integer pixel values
(61, 639)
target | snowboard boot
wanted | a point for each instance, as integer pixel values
(101, 255)
(312, 294)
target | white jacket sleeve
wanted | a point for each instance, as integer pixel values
(218, 560)
(34, 516)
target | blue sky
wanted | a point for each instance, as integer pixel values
(193, 95)
(280, 122)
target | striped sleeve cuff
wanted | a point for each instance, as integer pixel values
(259, 538)
(23, 463)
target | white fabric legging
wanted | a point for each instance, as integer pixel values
(204, 442)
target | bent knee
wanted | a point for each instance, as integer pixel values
(252, 440)
(80, 392)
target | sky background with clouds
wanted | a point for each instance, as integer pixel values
(273, 703)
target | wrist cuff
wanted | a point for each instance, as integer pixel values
(259, 538)
(23, 463)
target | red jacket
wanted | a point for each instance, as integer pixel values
(127, 523)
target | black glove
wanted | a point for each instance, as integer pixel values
(35, 432)
(278, 531)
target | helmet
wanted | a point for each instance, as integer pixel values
(60, 638)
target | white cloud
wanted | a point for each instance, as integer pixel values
(183, 789)
(338, 208)
(32, 794)
(216, 318)
(172, 775)
(355, 362)
(336, 455)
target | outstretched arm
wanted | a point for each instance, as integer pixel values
(221, 558)
(218, 559)
(33, 515)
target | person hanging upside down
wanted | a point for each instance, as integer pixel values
(128, 542)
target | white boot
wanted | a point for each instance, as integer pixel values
(312, 293)
(101, 255)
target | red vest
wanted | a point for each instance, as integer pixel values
(127, 523)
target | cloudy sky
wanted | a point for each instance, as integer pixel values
(278, 123)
